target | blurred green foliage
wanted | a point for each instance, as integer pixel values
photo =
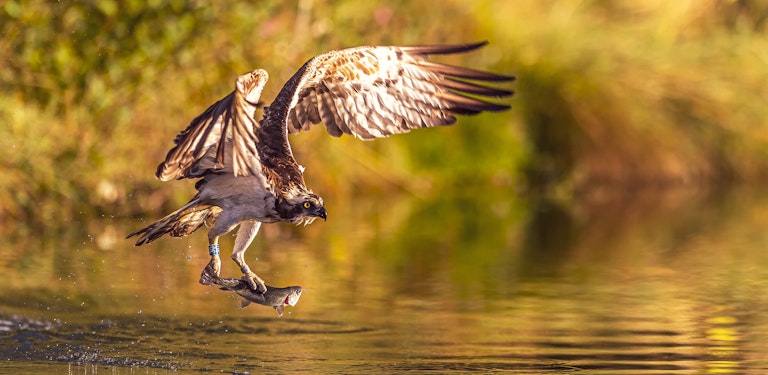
(638, 94)
(610, 93)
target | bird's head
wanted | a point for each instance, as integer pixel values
(303, 209)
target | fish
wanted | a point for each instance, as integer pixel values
(275, 297)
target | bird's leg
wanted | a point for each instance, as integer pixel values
(245, 235)
(213, 269)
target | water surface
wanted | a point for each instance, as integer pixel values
(646, 283)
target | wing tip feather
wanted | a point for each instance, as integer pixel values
(476, 89)
(465, 73)
(443, 49)
(460, 91)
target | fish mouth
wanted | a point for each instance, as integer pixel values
(292, 299)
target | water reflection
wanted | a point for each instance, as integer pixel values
(482, 282)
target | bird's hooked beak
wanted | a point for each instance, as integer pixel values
(321, 212)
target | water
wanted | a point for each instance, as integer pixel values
(652, 283)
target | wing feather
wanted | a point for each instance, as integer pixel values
(374, 92)
(459, 72)
(442, 49)
(328, 114)
(366, 92)
(221, 139)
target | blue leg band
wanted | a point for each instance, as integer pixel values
(213, 249)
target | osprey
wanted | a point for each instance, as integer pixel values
(246, 170)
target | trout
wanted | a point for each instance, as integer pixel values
(275, 297)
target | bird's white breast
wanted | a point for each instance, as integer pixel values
(243, 198)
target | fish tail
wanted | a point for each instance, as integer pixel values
(179, 223)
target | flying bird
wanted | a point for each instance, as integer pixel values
(245, 168)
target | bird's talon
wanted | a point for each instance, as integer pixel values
(255, 282)
(211, 272)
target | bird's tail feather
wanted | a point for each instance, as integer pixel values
(179, 223)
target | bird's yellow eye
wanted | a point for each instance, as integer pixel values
(307, 205)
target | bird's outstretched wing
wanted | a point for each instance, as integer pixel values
(374, 92)
(222, 138)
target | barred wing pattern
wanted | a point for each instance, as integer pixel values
(374, 92)
(222, 138)
(366, 92)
